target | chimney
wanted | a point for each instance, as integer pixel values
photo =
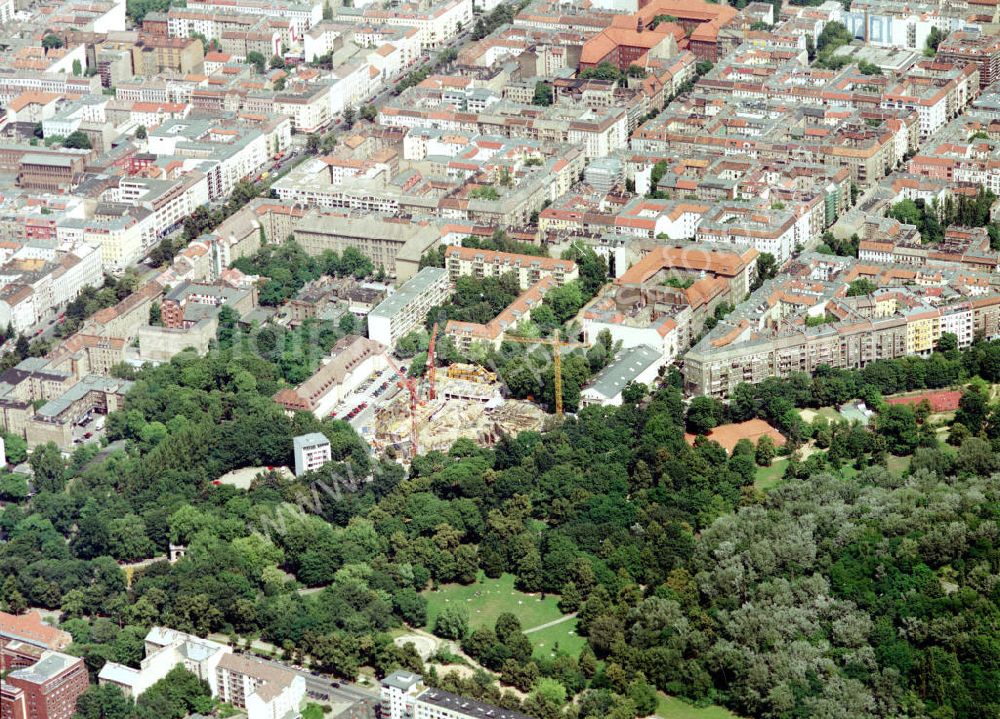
(638, 24)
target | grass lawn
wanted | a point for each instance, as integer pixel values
(897, 465)
(767, 477)
(848, 471)
(672, 708)
(563, 634)
(312, 711)
(487, 599)
(830, 413)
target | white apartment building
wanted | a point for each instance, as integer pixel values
(960, 321)
(78, 268)
(166, 649)
(406, 309)
(263, 689)
(302, 15)
(312, 451)
(468, 261)
(601, 140)
(308, 112)
(169, 201)
(435, 26)
(405, 696)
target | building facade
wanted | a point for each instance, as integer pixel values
(312, 451)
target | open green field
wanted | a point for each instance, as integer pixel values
(673, 708)
(487, 599)
(897, 465)
(767, 477)
(830, 413)
(563, 634)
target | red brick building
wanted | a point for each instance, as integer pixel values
(46, 690)
(627, 42)
(693, 24)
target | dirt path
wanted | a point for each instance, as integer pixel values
(554, 622)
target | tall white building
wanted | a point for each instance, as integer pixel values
(406, 309)
(312, 451)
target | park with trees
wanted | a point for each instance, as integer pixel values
(856, 586)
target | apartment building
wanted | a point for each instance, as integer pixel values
(797, 323)
(405, 696)
(776, 231)
(165, 649)
(980, 49)
(263, 689)
(190, 302)
(153, 55)
(529, 269)
(300, 15)
(405, 309)
(311, 451)
(34, 288)
(492, 332)
(436, 23)
(663, 299)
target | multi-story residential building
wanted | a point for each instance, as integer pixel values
(492, 332)
(225, 153)
(311, 451)
(263, 689)
(405, 310)
(35, 287)
(154, 54)
(165, 649)
(529, 269)
(664, 299)
(190, 302)
(776, 231)
(436, 23)
(405, 696)
(797, 323)
(301, 15)
(969, 46)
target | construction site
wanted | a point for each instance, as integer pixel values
(467, 403)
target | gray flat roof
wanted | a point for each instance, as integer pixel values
(409, 291)
(466, 706)
(309, 440)
(402, 680)
(89, 383)
(629, 364)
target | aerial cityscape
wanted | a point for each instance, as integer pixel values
(490, 359)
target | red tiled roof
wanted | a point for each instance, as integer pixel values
(30, 627)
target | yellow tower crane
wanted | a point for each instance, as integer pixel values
(556, 344)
